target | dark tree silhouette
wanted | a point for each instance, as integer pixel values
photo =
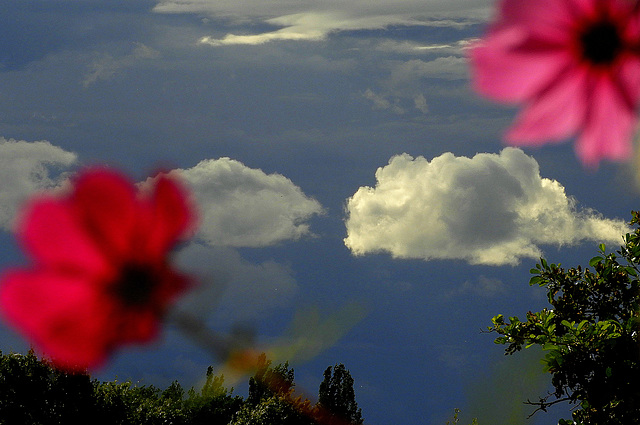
(34, 392)
(337, 399)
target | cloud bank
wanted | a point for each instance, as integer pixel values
(245, 207)
(27, 168)
(312, 20)
(492, 209)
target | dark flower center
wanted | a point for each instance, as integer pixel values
(135, 285)
(601, 43)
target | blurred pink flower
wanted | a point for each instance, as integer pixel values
(574, 64)
(101, 276)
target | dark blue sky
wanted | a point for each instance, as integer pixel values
(289, 120)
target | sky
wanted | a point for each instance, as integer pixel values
(357, 203)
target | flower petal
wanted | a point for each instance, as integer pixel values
(51, 233)
(505, 70)
(137, 326)
(63, 315)
(171, 216)
(628, 79)
(544, 19)
(106, 205)
(556, 114)
(609, 127)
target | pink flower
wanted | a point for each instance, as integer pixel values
(575, 64)
(101, 276)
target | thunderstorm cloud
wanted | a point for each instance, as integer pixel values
(492, 209)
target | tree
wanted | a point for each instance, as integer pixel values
(591, 334)
(213, 404)
(33, 392)
(113, 403)
(273, 410)
(271, 398)
(269, 381)
(337, 399)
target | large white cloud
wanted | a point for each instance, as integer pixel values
(313, 20)
(27, 168)
(245, 207)
(490, 209)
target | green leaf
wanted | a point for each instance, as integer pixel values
(602, 247)
(595, 260)
(536, 280)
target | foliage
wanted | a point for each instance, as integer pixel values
(37, 393)
(32, 392)
(590, 334)
(269, 381)
(272, 400)
(456, 420)
(213, 404)
(273, 410)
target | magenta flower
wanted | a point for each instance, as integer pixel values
(101, 276)
(574, 64)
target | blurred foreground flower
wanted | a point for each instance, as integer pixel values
(575, 64)
(101, 276)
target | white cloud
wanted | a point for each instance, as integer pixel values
(382, 103)
(241, 10)
(413, 48)
(311, 26)
(239, 206)
(393, 102)
(482, 286)
(106, 66)
(311, 20)
(25, 168)
(420, 102)
(405, 82)
(244, 207)
(446, 68)
(232, 288)
(491, 209)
